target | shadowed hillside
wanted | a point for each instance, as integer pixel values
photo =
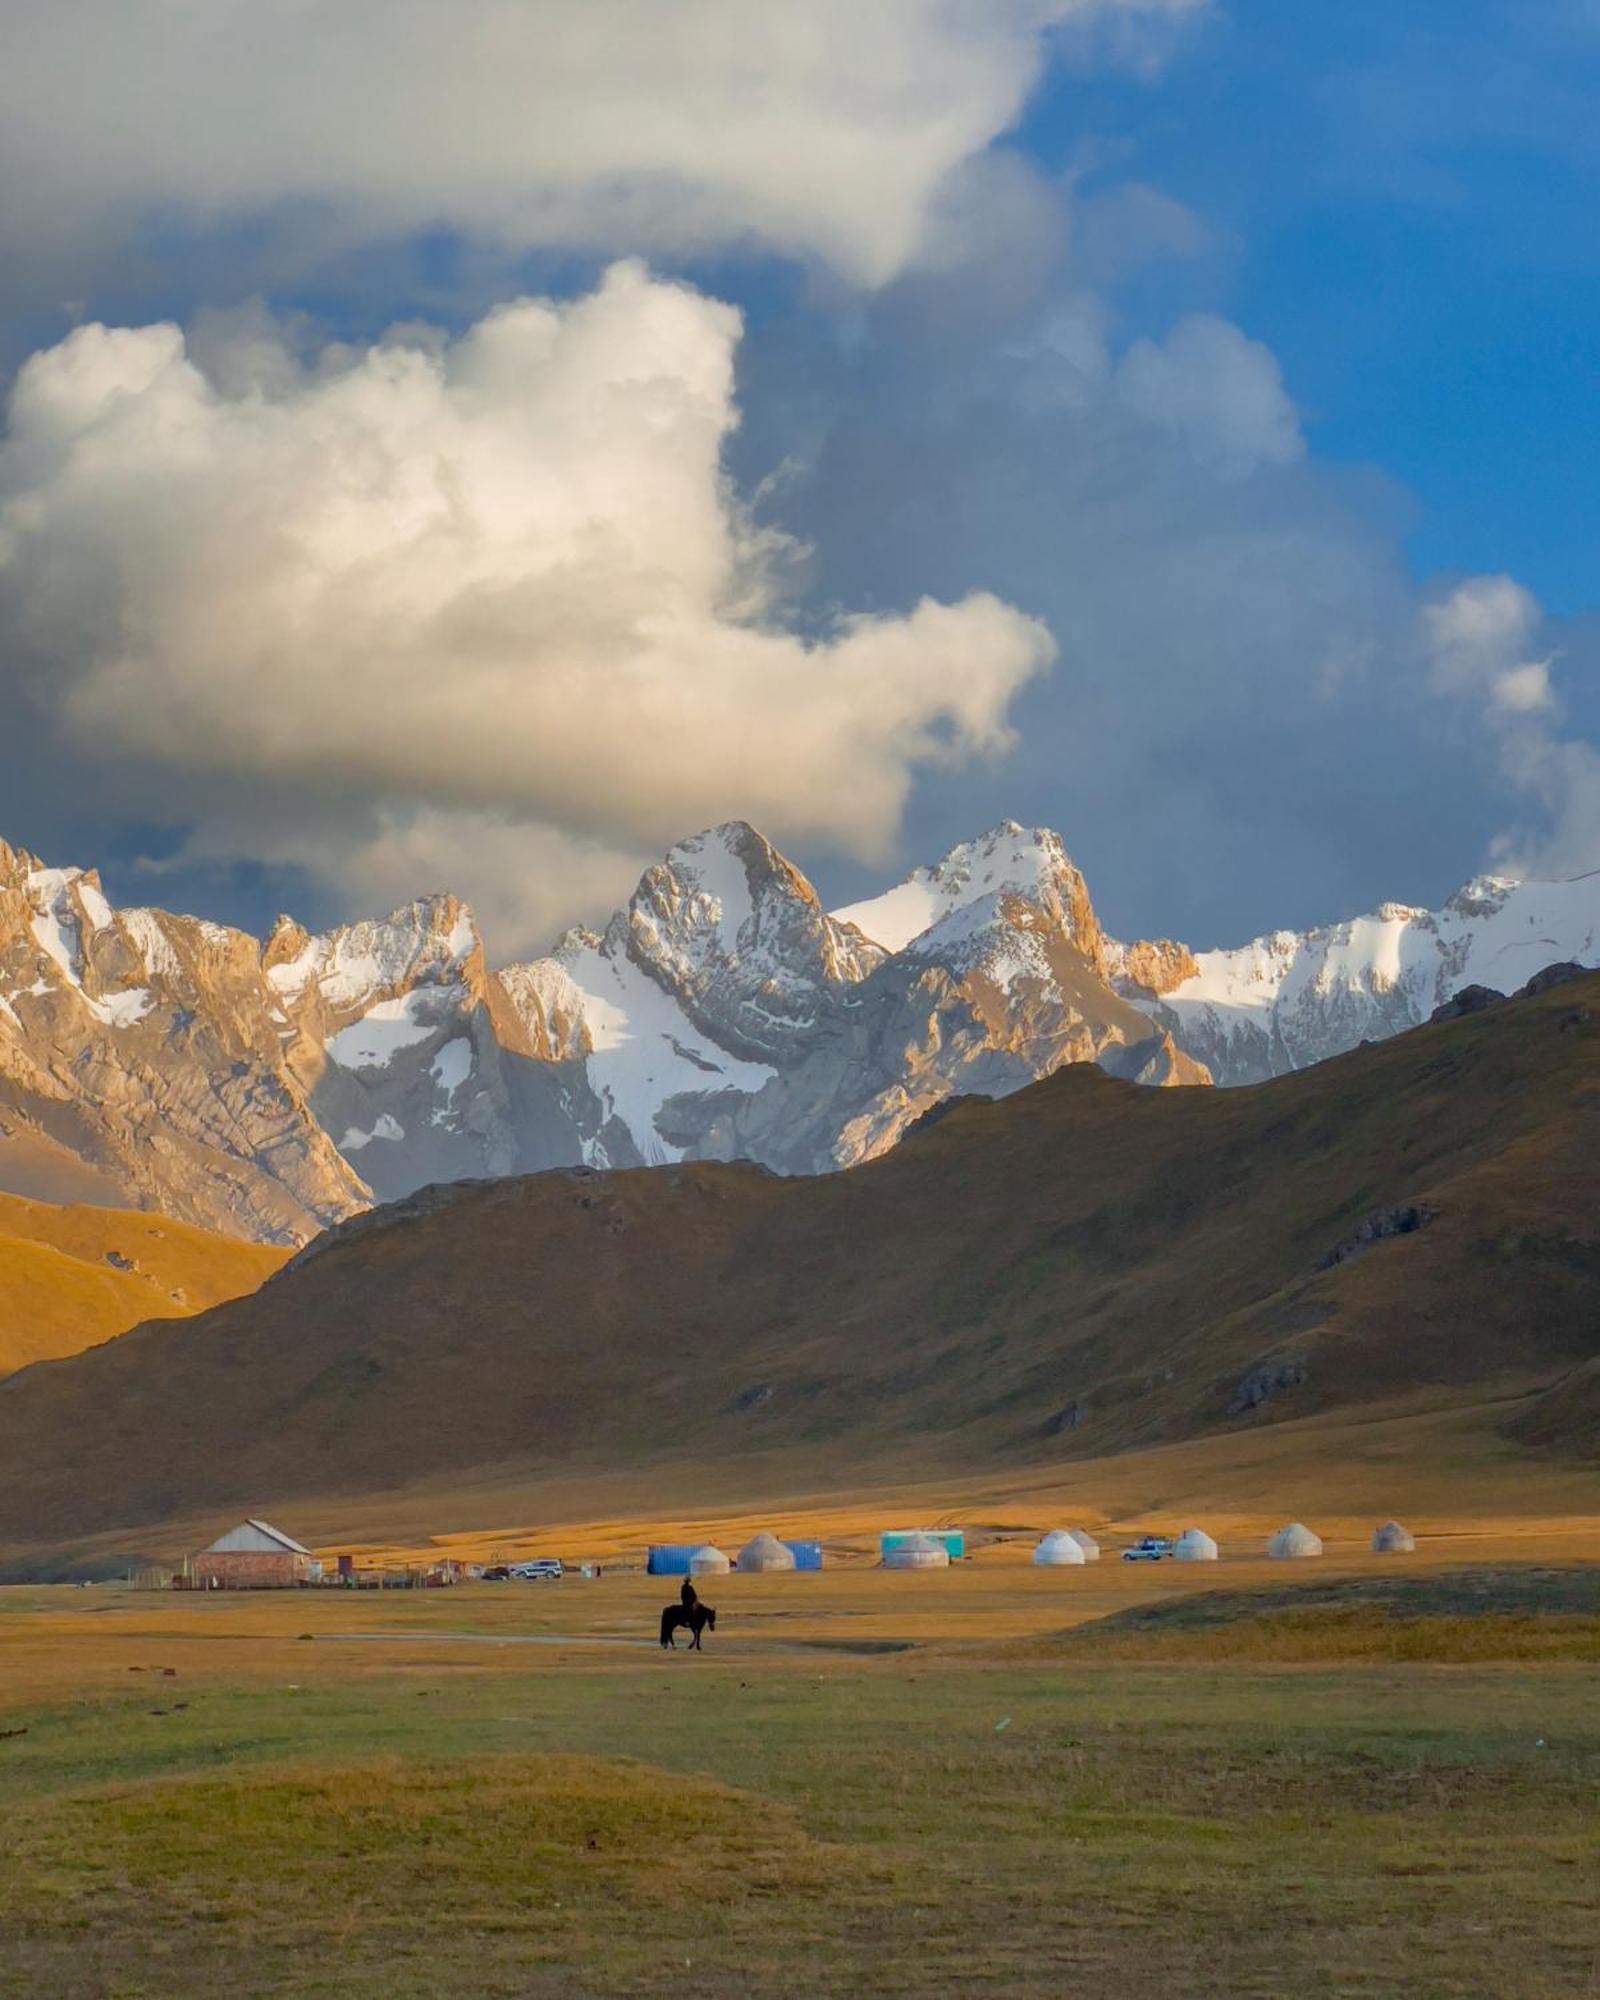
(1083, 1267)
(73, 1277)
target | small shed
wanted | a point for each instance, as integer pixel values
(807, 1555)
(1086, 1542)
(914, 1551)
(1194, 1545)
(1058, 1550)
(1393, 1540)
(952, 1540)
(1294, 1541)
(669, 1558)
(764, 1552)
(708, 1560)
(253, 1556)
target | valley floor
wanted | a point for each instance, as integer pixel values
(1352, 1777)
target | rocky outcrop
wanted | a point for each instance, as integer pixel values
(1470, 1000)
(1552, 975)
(1146, 971)
(1265, 1382)
(1399, 1219)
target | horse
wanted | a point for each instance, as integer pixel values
(697, 1619)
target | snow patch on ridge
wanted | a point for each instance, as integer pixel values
(384, 1030)
(452, 1065)
(384, 1127)
(151, 942)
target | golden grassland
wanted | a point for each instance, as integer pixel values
(72, 1277)
(1438, 1464)
(989, 1780)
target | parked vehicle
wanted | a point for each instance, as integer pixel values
(543, 1569)
(1148, 1549)
(497, 1573)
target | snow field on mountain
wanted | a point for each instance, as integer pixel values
(646, 1049)
(385, 1029)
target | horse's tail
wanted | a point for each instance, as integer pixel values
(667, 1622)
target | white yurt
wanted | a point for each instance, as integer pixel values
(917, 1552)
(1295, 1540)
(1086, 1542)
(1194, 1545)
(709, 1561)
(764, 1552)
(1393, 1540)
(1058, 1548)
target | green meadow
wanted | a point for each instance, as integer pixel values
(403, 1796)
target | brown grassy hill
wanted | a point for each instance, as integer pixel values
(1083, 1267)
(71, 1278)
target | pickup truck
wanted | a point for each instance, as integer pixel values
(1148, 1549)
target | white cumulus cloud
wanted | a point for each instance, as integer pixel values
(1218, 392)
(1478, 637)
(502, 575)
(823, 129)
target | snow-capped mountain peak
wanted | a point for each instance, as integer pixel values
(271, 1087)
(1028, 864)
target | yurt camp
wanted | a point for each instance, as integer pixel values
(914, 1551)
(1086, 1542)
(1058, 1550)
(709, 1560)
(1295, 1540)
(762, 1553)
(1393, 1540)
(1194, 1545)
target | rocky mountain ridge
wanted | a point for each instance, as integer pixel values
(271, 1087)
(1293, 998)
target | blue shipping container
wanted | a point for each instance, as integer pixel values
(954, 1539)
(670, 1558)
(807, 1555)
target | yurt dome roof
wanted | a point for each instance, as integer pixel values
(1295, 1539)
(765, 1551)
(917, 1552)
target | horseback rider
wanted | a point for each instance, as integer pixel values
(689, 1595)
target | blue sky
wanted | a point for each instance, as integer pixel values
(1239, 358)
(1401, 203)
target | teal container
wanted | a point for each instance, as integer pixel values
(954, 1539)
